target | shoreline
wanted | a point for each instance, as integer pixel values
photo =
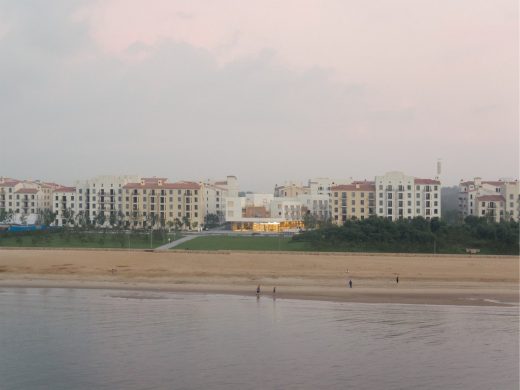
(423, 279)
(495, 298)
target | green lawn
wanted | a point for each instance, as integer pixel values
(84, 240)
(256, 243)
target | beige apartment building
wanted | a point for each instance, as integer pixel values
(496, 199)
(25, 199)
(8, 188)
(154, 202)
(353, 201)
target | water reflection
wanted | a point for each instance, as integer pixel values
(82, 339)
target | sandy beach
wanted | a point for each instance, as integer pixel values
(423, 279)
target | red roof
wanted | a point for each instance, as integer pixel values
(183, 185)
(9, 183)
(426, 181)
(354, 187)
(65, 189)
(491, 198)
(27, 191)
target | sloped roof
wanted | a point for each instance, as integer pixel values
(491, 198)
(426, 181)
(354, 187)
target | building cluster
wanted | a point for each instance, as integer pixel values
(150, 202)
(497, 200)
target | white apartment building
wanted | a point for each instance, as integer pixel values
(399, 196)
(65, 206)
(497, 199)
(8, 188)
(318, 205)
(289, 209)
(25, 199)
(215, 194)
(102, 194)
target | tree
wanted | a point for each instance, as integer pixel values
(186, 222)
(68, 216)
(100, 218)
(112, 219)
(211, 220)
(309, 220)
(81, 219)
(5, 216)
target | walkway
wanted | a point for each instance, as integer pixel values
(173, 244)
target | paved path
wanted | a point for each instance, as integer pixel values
(176, 242)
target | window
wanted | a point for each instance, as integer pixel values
(390, 196)
(389, 212)
(389, 203)
(418, 203)
(418, 211)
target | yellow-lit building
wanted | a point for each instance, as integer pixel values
(353, 201)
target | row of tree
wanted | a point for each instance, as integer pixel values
(113, 220)
(378, 234)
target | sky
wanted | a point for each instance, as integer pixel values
(268, 91)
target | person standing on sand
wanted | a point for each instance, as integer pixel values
(258, 290)
(274, 290)
(350, 283)
(397, 279)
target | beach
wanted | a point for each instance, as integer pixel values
(423, 279)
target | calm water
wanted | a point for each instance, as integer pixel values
(97, 339)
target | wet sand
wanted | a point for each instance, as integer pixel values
(423, 279)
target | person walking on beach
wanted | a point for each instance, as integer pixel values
(258, 290)
(350, 283)
(397, 279)
(274, 290)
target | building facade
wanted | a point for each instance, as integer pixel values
(153, 202)
(399, 196)
(353, 201)
(496, 199)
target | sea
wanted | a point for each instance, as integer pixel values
(115, 339)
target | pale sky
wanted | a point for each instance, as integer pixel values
(265, 90)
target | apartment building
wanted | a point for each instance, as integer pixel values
(24, 200)
(100, 198)
(496, 199)
(215, 193)
(353, 201)
(65, 206)
(8, 188)
(153, 202)
(290, 189)
(399, 196)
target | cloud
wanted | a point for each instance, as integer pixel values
(72, 109)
